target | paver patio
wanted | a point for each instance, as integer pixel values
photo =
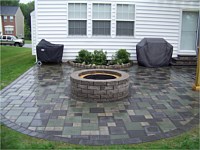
(161, 104)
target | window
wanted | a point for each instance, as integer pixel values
(9, 38)
(125, 19)
(9, 29)
(11, 18)
(4, 37)
(77, 15)
(189, 30)
(77, 27)
(101, 19)
(5, 18)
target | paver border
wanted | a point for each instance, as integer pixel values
(82, 141)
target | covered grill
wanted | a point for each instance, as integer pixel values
(48, 52)
(154, 52)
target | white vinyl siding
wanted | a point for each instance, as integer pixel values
(33, 32)
(153, 19)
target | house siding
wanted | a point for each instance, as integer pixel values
(19, 23)
(33, 32)
(1, 27)
(154, 19)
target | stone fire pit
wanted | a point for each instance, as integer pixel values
(99, 85)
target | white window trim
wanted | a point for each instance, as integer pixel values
(90, 20)
(12, 20)
(5, 20)
(187, 52)
(74, 19)
(123, 36)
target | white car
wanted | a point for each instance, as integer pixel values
(11, 40)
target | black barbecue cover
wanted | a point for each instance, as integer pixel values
(154, 52)
(48, 52)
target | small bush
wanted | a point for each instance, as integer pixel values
(99, 57)
(121, 57)
(84, 57)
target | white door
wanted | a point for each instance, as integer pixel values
(189, 33)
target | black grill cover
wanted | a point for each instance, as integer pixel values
(48, 52)
(154, 52)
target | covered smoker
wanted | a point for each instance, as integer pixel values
(48, 52)
(154, 52)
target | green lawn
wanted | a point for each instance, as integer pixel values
(28, 41)
(15, 61)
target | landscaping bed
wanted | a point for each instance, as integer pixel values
(98, 60)
(93, 66)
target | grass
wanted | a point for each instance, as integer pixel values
(15, 61)
(28, 41)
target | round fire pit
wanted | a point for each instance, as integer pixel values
(99, 85)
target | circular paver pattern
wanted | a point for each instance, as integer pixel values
(161, 104)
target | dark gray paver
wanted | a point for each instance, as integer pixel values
(161, 104)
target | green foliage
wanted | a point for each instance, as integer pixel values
(121, 57)
(84, 57)
(99, 57)
(9, 2)
(26, 10)
(14, 61)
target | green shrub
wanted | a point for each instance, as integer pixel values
(84, 57)
(121, 57)
(99, 57)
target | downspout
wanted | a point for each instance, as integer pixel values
(196, 86)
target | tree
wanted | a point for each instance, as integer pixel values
(26, 10)
(9, 2)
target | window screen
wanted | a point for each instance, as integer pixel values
(5, 18)
(77, 27)
(125, 19)
(126, 11)
(77, 11)
(101, 11)
(101, 19)
(101, 27)
(11, 18)
(125, 28)
(77, 15)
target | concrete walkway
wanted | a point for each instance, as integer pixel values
(161, 104)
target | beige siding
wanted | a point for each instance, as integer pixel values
(19, 20)
(154, 18)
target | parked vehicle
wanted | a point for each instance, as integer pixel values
(11, 40)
